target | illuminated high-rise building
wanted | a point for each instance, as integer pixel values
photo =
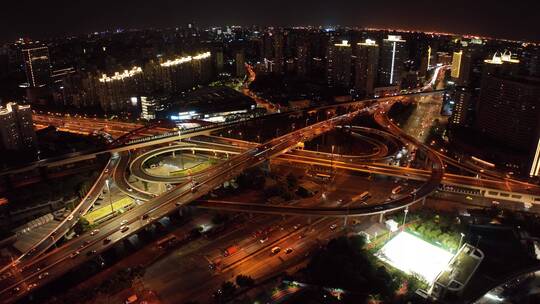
(509, 111)
(119, 91)
(339, 62)
(148, 108)
(9, 132)
(500, 64)
(456, 64)
(37, 65)
(278, 46)
(240, 64)
(16, 127)
(443, 58)
(461, 98)
(392, 58)
(219, 61)
(301, 60)
(535, 163)
(471, 63)
(366, 61)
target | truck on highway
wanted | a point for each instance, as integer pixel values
(230, 251)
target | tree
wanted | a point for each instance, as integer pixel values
(345, 263)
(225, 293)
(292, 181)
(82, 226)
(244, 281)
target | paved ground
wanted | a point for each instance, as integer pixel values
(423, 117)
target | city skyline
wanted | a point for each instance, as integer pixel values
(158, 153)
(461, 17)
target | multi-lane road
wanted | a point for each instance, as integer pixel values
(41, 270)
(29, 274)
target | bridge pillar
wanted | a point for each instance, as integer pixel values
(381, 218)
(345, 221)
(423, 201)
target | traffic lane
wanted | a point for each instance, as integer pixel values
(285, 141)
(263, 263)
(383, 120)
(184, 270)
(71, 220)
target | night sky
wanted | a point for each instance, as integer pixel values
(40, 19)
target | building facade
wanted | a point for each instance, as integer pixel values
(37, 65)
(16, 127)
(339, 64)
(509, 111)
(366, 63)
(392, 58)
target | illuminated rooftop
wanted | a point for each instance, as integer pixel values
(344, 43)
(394, 38)
(497, 58)
(121, 76)
(185, 59)
(368, 42)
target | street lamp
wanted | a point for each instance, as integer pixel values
(478, 241)
(107, 182)
(461, 240)
(404, 218)
(332, 159)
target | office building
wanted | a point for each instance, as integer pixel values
(509, 111)
(392, 58)
(444, 58)
(339, 62)
(240, 64)
(471, 61)
(301, 60)
(148, 108)
(500, 64)
(37, 65)
(461, 98)
(425, 61)
(278, 47)
(219, 62)
(16, 127)
(456, 64)
(366, 60)
(531, 60)
(116, 92)
(535, 163)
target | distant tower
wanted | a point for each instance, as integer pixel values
(339, 64)
(366, 63)
(219, 61)
(301, 59)
(278, 43)
(393, 56)
(240, 64)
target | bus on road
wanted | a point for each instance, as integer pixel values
(397, 190)
(166, 241)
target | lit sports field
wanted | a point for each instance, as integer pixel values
(413, 255)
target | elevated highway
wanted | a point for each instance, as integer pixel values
(75, 252)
